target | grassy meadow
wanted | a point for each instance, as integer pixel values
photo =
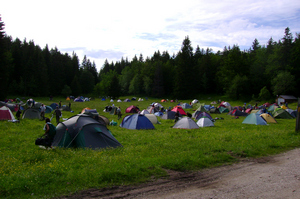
(28, 171)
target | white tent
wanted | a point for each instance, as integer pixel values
(204, 122)
(152, 118)
(143, 112)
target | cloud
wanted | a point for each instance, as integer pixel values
(115, 29)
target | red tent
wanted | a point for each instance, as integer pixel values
(267, 104)
(132, 109)
(180, 109)
(6, 114)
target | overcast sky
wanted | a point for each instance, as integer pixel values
(112, 29)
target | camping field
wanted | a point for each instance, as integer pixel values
(28, 171)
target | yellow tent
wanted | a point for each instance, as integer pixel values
(268, 118)
(283, 107)
(68, 98)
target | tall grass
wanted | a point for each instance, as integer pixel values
(28, 171)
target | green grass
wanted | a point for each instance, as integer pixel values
(28, 171)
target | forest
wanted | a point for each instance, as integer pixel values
(261, 72)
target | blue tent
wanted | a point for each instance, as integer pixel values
(49, 109)
(78, 100)
(185, 105)
(254, 118)
(136, 121)
(159, 113)
(53, 105)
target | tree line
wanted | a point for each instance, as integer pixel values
(261, 72)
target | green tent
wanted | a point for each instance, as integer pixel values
(223, 109)
(254, 119)
(201, 108)
(82, 131)
(282, 114)
(32, 113)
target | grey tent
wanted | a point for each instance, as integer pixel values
(170, 115)
(82, 131)
(186, 123)
(31, 113)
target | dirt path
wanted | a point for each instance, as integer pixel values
(269, 177)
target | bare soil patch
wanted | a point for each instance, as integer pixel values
(275, 176)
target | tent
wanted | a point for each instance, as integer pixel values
(248, 110)
(153, 119)
(11, 106)
(82, 131)
(268, 118)
(163, 100)
(237, 112)
(196, 113)
(272, 107)
(113, 111)
(159, 113)
(254, 119)
(132, 109)
(94, 114)
(203, 114)
(225, 104)
(53, 105)
(180, 109)
(31, 113)
(185, 123)
(136, 121)
(195, 101)
(127, 100)
(170, 115)
(214, 110)
(143, 112)
(78, 100)
(205, 122)
(6, 114)
(201, 108)
(68, 98)
(223, 109)
(49, 109)
(282, 114)
(267, 104)
(153, 109)
(292, 112)
(87, 108)
(119, 100)
(186, 105)
(65, 108)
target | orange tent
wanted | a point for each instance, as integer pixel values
(83, 110)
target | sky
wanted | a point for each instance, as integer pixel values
(102, 29)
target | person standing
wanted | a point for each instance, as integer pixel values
(43, 109)
(18, 114)
(57, 114)
(119, 113)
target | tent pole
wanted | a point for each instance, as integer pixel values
(298, 116)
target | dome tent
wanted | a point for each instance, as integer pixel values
(205, 122)
(136, 121)
(6, 114)
(170, 115)
(186, 123)
(31, 113)
(254, 119)
(82, 131)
